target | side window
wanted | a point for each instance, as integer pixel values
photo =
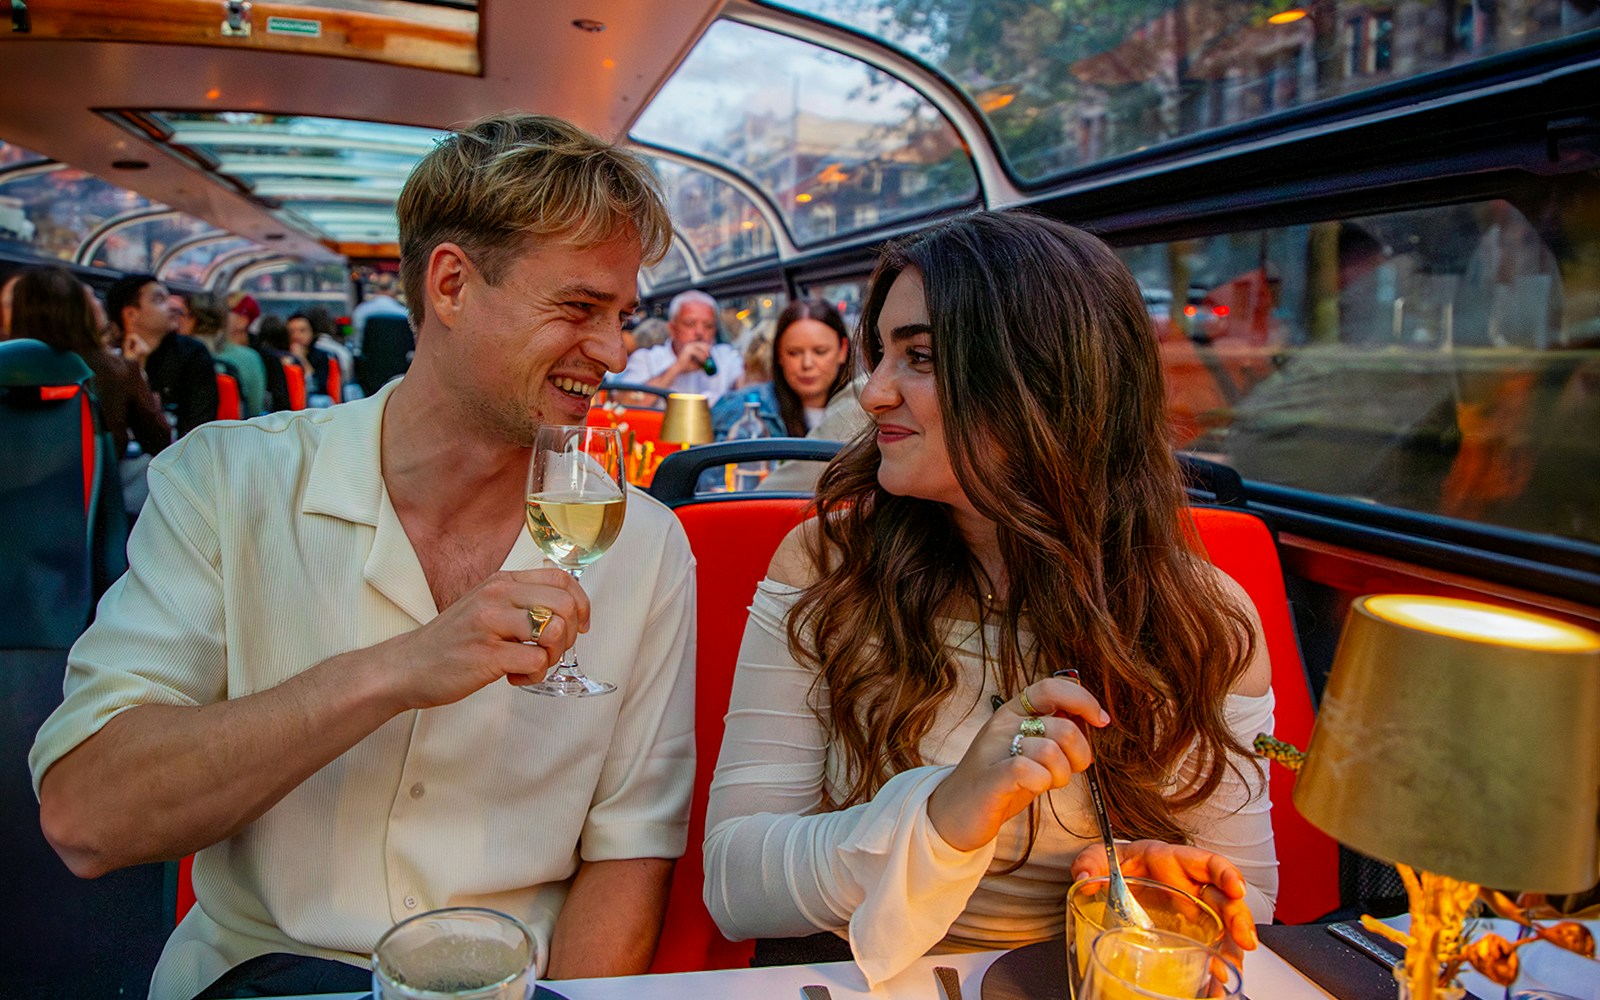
(1444, 360)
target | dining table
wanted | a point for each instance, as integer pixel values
(1266, 977)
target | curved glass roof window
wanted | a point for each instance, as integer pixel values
(48, 211)
(15, 156)
(673, 269)
(136, 245)
(432, 34)
(839, 146)
(340, 176)
(724, 227)
(1067, 84)
(191, 264)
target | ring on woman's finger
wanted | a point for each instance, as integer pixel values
(1016, 745)
(1027, 706)
(1032, 726)
(538, 617)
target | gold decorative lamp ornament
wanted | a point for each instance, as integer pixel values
(1460, 741)
(687, 420)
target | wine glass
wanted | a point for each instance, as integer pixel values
(576, 497)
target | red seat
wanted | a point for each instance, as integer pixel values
(733, 541)
(228, 405)
(296, 377)
(335, 386)
(185, 887)
(1240, 544)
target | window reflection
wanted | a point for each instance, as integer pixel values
(1444, 360)
(837, 145)
(1067, 84)
(50, 211)
(138, 245)
(722, 224)
(191, 264)
(671, 270)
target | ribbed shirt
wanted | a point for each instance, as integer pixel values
(271, 545)
(878, 873)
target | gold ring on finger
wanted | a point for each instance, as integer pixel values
(1027, 706)
(538, 617)
(1032, 726)
(1016, 745)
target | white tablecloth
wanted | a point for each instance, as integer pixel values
(1266, 977)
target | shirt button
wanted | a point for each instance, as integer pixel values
(411, 902)
(416, 790)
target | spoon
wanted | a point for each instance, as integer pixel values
(1119, 901)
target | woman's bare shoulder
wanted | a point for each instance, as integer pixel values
(795, 562)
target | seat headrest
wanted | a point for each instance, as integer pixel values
(25, 362)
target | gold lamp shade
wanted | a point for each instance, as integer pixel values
(687, 420)
(1463, 739)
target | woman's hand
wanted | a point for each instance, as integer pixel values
(1201, 873)
(990, 784)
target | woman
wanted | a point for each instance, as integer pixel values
(808, 361)
(312, 359)
(1018, 495)
(50, 304)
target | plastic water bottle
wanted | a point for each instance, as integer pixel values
(746, 475)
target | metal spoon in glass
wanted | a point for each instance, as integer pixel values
(1119, 901)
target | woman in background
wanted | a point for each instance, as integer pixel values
(50, 304)
(808, 362)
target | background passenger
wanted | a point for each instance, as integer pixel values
(312, 359)
(272, 343)
(178, 367)
(809, 357)
(52, 305)
(214, 328)
(331, 341)
(680, 364)
(1017, 512)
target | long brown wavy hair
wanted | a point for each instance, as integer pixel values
(1050, 393)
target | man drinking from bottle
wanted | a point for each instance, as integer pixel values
(692, 361)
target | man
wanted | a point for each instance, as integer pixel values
(182, 317)
(381, 303)
(178, 367)
(233, 348)
(302, 676)
(680, 364)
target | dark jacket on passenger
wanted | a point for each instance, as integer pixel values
(127, 404)
(181, 373)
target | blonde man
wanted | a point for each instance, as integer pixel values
(304, 676)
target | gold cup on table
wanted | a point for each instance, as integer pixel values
(1170, 909)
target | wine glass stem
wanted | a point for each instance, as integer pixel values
(568, 665)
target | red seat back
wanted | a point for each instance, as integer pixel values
(1240, 544)
(296, 377)
(335, 386)
(733, 541)
(228, 405)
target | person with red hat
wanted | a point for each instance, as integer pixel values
(234, 348)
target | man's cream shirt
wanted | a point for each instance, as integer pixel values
(269, 546)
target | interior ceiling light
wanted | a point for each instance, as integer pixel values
(588, 24)
(131, 164)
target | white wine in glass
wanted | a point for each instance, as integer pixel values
(576, 497)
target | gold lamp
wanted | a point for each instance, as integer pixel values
(1460, 741)
(687, 420)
